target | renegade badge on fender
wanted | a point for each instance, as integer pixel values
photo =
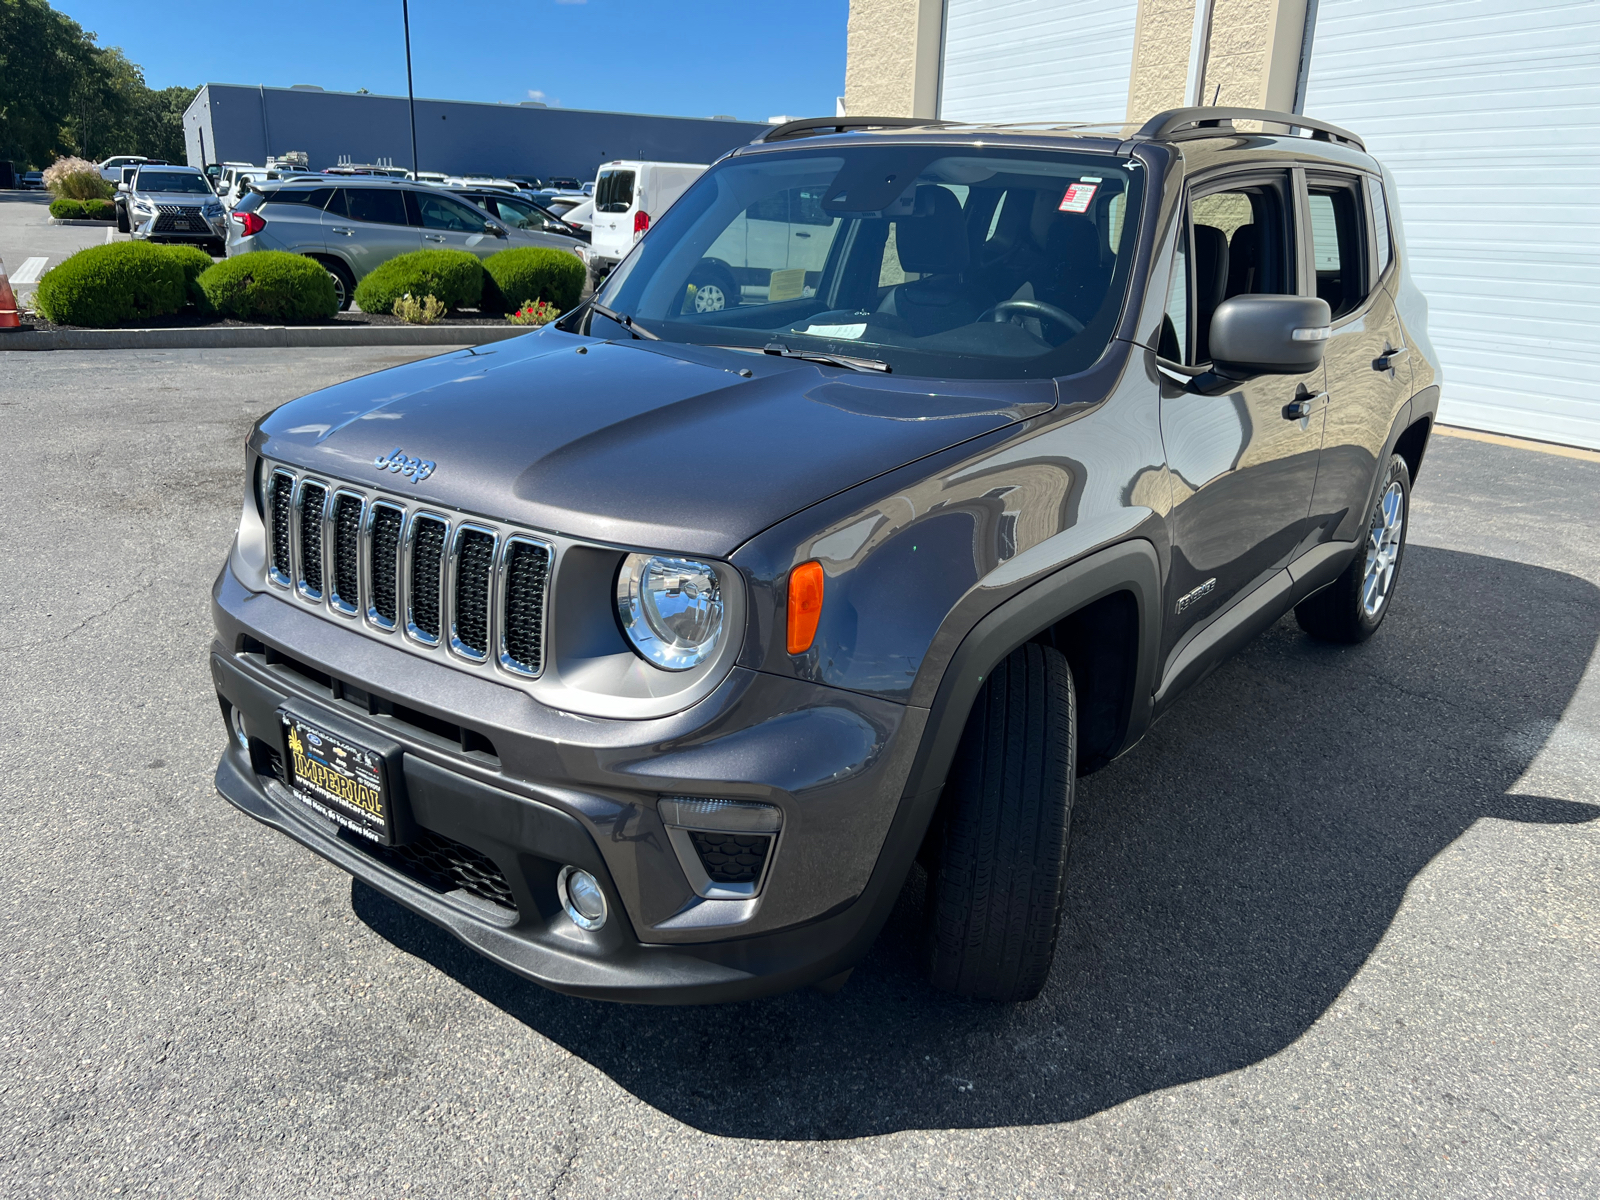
(719, 615)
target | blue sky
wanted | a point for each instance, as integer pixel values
(698, 58)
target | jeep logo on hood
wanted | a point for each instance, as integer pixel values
(414, 469)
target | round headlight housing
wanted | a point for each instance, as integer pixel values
(671, 609)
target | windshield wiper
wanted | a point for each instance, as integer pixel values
(822, 356)
(622, 319)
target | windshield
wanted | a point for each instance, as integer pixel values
(985, 263)
(174, 181)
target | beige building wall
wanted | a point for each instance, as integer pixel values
(1252, 55)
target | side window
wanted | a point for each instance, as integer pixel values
(1380, 224)
(442, 212)
(379, 206)
(1338, 253)
(1174, 343)
(1240, 249)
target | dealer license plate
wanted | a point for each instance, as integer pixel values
(342, 780)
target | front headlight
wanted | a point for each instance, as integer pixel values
(671, 609)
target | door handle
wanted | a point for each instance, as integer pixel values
(799, 234)
(1303, 405)
(1386, 360)
(343, 230)
(433, 237)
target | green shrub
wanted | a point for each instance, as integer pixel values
(195, 263)
(67, 209)
(107, 285)
(454, 277)
(100, 210)
(532, 273)
(270, 285)
(76, 179)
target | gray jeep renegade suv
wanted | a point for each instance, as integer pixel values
(647, 652)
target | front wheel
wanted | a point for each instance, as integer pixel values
(712, 288)
(999, 852)
(1351, 608)
(123, 224)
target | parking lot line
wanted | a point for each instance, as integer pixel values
(1516, 443)
(29, 271)
(110, 233)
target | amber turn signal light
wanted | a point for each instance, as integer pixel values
(805, 605)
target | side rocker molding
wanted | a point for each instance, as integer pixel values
(1129, 567)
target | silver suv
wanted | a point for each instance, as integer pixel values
(350, 228)
(172, 204)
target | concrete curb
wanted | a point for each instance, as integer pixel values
(258, 337)
(109, 223)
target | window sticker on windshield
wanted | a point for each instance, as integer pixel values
(837, 331)
(1078, 197)
(789, 284)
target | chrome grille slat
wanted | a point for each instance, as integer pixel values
(477, 590)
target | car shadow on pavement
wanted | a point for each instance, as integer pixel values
(1229, 877)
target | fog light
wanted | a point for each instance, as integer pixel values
(582, 898)
(236, 719)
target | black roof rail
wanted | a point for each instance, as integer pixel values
(816, 126)
(1212, 122)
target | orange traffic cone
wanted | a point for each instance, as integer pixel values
(8, 302)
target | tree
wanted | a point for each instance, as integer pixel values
(61, 93)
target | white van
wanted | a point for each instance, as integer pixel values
(627, 197)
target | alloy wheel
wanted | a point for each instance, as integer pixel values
(1383, 549)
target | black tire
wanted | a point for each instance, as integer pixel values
(999, 859)
(217, 249)
(344, 283)
(123, 224)
(1341, 612)
(714, 288)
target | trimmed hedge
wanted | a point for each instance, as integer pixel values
(453, 277)
(107, 285)
(514, 277)
(270, 285)
(67, 209)
(195, 263)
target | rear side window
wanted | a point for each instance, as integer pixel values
(310, 197)
(1380, 224)
(1338, 253)
(250, 202)
(377, 206)
(614, 192)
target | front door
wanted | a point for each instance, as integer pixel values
(451, 224)
(1243, 463)
(1369, 375)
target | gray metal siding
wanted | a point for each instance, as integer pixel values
(246, 124)
(1488, 114)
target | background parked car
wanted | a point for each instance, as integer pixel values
(581, 215)
(111, 169)
(628, 196)
(352, 227)
(516, 213)
(172, 204)
(33, 180)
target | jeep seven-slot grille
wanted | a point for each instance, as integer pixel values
(280, 499)
(386, 522)
(347, 550)
(440, 585)
(313, 498)
(474, 562)
(527, 570)
(427, 548)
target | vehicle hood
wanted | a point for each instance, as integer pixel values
(645, 444)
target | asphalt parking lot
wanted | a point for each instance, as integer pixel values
(26, 234)
(1334, 926)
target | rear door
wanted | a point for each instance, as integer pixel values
(367, 226)
(613, 212)
(1369, 375)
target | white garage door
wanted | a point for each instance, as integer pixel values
(1036, 60)
(1488, 114)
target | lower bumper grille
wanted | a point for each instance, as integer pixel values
(732, 857)
(444, 865)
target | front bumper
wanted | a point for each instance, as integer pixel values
(559, 790)
(143, 228)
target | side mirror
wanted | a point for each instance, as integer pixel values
(491, 228)
(1269, 335)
